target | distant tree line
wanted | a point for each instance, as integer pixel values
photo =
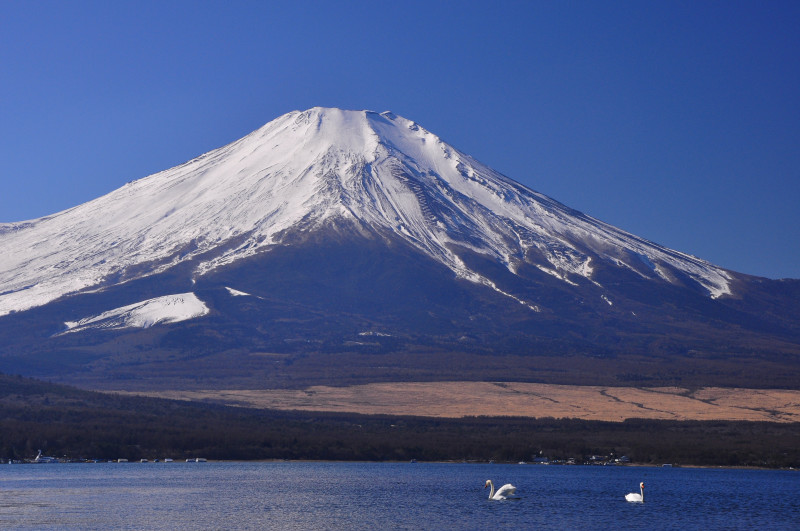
(63, 421)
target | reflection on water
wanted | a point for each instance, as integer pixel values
(389, 495)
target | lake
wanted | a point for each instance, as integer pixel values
(309, 496)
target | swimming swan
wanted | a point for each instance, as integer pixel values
(633, 497)
(504, 492)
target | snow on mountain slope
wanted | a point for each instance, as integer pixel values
(299, 171)
(167, 309)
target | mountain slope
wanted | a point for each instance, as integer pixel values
(362, 234)
(296, 173)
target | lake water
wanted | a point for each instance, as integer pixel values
(308, 496)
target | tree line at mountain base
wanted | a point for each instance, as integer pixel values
(77, 424)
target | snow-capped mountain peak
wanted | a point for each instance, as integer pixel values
(305, 169)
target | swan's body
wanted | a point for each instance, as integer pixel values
(633, 497)
(503, 493)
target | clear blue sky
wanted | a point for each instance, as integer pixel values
(677, 121)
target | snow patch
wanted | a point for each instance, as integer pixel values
(237, 293)
(161, 310)
(557, 274)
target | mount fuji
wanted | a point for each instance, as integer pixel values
(337, 246)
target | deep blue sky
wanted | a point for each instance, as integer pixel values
(677, 121)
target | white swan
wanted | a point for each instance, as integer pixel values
(633, 497)
(504, 492)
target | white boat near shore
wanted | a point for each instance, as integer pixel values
(44, 458)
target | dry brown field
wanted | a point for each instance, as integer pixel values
(463, 399)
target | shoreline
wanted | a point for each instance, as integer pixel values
(415, 461)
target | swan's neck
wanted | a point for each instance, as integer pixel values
(491, 490)
(642, 491)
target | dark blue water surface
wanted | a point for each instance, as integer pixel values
(308, 496)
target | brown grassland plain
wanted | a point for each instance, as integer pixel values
(515, 399)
